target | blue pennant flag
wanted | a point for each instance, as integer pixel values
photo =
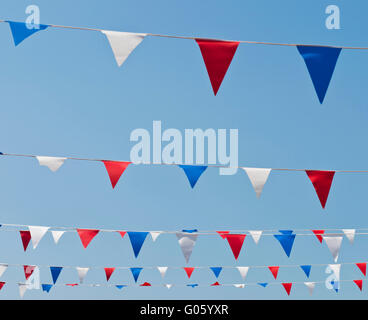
(307, 270)
(136, 272)
(55, 272)
(320, 62)
(286, 240)
(46, 287)
(263, 284)
(137, 239)
(20, 30)
(216, 271)
(120, 286)
(193, 173)
(190, 231)
(192, 285)
(335, 285)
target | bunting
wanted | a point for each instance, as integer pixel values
(258, 177)
(115, 169)
(287, 287)
(321, 181)
(188, 271)
(55, 273)
(286, 240)
(56, 235)
(37, 234)
(86, 236)
(362, 267)
(319, 234)
(28, 270)
(359, 283)
(306, 269)
(137, 239)
(154, 235)
(274, 270)
(109, 272)
(21, 31)
(26, 238)
(350, 234)
(3, 268)
(162, 271)
(334, 244)
(186, 243)
(236, 243)
(53, 163)
(136, 272)
(82, 272)
(243, 271)
(193, 173)
(256, 235)
(216, 271)
(310, 286)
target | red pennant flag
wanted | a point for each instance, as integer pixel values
(359, 283)
(115, 169)
(235, 242)
(215, 284)
(217, 56)
(189, 271)
(72, 284)
(223, 234)
(26, 237)
(109, 272)
(2, 284)
(318, 234)
(28, 270)
(274, 270)
(122, 233)
(146, 284)
(287, 287)
(86, 236)
(321, 181)
(363, 267)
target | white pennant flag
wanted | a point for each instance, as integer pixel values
(155, 234)
(82, 273)
(162, 271)
(243, 271)
(57, 235)
(3, 268)
(22, 289)
(168, 286)
(310, 286)
(258, 177)
(37, 234)
(123, 43)
(350, 234)
(239, 285)
(334, 245)
(53, 163)
(256, 235)
(186, 242)
(336, 270)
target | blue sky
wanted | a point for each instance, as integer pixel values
(63, 95)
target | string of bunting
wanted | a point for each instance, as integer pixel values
(187, 238)
(321, 179)
(320, 60)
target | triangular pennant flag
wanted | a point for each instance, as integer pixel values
(26, 237)
(336, 270)
(82, 272)
(239, 285)
(216, 271)
(256, 235)
(57, 235)
(137, 239)
(109, 272)
(86, 236)
(123, 43)
(223, 234)
(186, 243)
(350, 234)
(145, 284)
(263, 284)
(53, 163)
(120, 286)
(320, 62)
(310, 286)
(2, 283)
(162, 271)
(46, 287)
(155, 234)
(287, 287)
(190, 230)
(334, 245)
(168, 286)
(258, 177)
(274, 270)
(321, 181)
(72, 284)
(3, 268)
(193, 173)
(359, 283)
(362, 267)
(235, 242)
(55, 273)
(215, 284)
(243, 271)
(122, 233)
(306, 269)
(286, 241)
(28, 270)
(115, 169)
(22, 289)
(20, 31)
(188, 271)
(217, 56)
(319, 234)
(136, 272)
(37, 234)
(192, 285)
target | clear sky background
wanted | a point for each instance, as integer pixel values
(62, 94)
